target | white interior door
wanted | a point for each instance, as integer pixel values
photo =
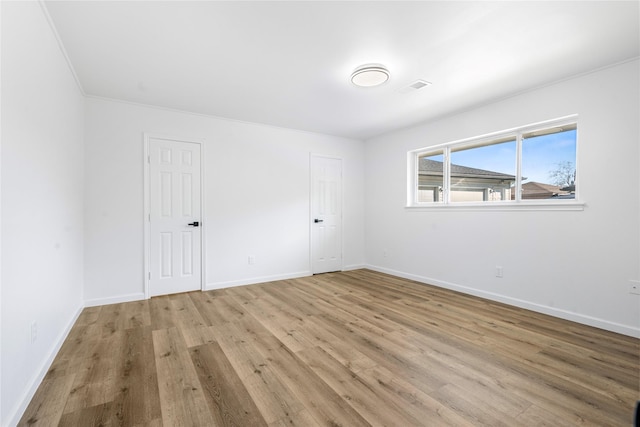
(174, 217)
(326, 214)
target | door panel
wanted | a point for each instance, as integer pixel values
(187, 253)
(326, 214)
(174, 198)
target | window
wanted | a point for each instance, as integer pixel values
(549, 163)
(430, 178)
(483, 172)
(530, 165)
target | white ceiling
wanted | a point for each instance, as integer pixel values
(288, 63)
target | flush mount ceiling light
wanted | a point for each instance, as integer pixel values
(370, 75)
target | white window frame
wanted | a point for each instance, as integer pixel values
(413, 157)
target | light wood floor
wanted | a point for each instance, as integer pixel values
(356, 348)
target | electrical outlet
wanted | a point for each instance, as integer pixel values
(499, 271)
(634, 287)
(252, 259)
(384, 253)
(34, 331)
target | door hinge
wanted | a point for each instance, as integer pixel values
(149, 159)
(149, 217)
(149, 275)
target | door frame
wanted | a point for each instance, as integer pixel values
(311, 205)
(147, 207)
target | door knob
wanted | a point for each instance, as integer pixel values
(194, 224)
(318, 220)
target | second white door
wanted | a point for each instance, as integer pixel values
(174, 220)
(326, 214)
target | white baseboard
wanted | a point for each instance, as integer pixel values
(40, 373)
(539, 308)
(114, 300)
(354, 267)
(254, 280)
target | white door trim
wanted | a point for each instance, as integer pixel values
(311, 214)
(147, 208)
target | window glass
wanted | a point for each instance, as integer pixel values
(549, 163)
(517, 165)
(483, 172)
(430, 178)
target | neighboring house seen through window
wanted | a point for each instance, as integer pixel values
(536, 162)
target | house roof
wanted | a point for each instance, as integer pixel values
(434, 168)
(540, 188)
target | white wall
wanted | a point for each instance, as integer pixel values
(575, 265)
(256, 193)
(42, 215)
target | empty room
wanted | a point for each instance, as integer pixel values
(331, 213)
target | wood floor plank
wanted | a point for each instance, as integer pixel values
(186, 313)
(89, 315)
(95, 379)
(320, 400)
(384, 352)
(236, 339)
(80, 341)
(137, 400)
(134, 314)
(216, 308)
(414, 401)
(292, 299)
(536, 416)
(466, 405)
(98, 415)
(567, 399)
(229, 401)
(273, 398)
(181, 396)
(351, 348)
(281, 323)
(48, 403)
(202, 335)
(609, 376)
(365, 399)
(162, 312)
(338, 348)
(301, 418)
(119, 378)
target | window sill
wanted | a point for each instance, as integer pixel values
(501, 206)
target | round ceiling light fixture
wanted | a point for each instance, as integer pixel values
(370, 75)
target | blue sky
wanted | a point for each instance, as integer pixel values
(540, 155)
